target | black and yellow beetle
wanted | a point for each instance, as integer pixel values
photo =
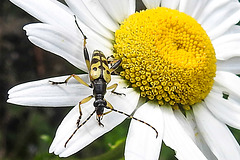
(100, 76)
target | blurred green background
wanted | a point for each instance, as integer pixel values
(26, 132)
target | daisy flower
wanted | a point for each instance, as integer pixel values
(178, 72)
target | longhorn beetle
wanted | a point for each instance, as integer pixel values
(100, 76)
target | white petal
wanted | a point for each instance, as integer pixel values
(141, 143)
(82, 12)
(122, 83)
(48, 11)
(176, 138)
(217, 135)
(91, 131)
(66, 44)
(198, 138)
(93, 38)
(43, 93)
(231, 65)
(101, 14)
(225, 93)
(186, 125)
(229, 81)
(189, 125)
(212, 19)
(59, 42)
(234, 29)
(227, 46)
(131, 6)
(151, 3)
(192, 7)
(119, 10)
(173, 4)
(200, 5)
(229, 35)
(225, 110)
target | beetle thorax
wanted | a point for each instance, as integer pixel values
(99, 87)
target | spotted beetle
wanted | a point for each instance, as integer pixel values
(100, 76)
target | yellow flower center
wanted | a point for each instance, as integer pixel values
(167, 55)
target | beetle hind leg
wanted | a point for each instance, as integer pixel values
(114, 87)
(65, 145)
(108, 106)
(85, 100)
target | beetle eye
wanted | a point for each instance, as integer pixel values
(95, 103)
(105, 103)
(102, 105)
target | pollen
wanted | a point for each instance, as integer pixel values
(167, 56)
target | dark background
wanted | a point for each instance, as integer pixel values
(27, 132)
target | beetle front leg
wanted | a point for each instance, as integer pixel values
(115, 65)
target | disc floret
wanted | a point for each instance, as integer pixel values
(167, 55)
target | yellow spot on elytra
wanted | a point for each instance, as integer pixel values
(167, 55)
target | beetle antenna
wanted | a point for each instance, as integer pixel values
(134, 119)
(75, 17)
(78, 128)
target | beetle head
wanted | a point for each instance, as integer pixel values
(99, 105)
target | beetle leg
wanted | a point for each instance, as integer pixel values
(114, 86)
(85, 100)
(78, 128)
(108, 106)
(110, 57)
(80, 80)
(115, 65)
(111, 60)
(130, 116)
